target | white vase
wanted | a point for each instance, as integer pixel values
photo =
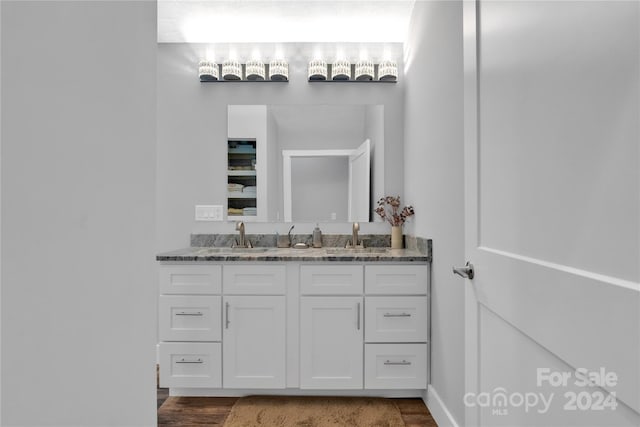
(396, 237)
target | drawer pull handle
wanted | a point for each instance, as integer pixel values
(397, 315)
(183, 313)
(226, 316)
(358, 314)
(189, 361)
(403, 363)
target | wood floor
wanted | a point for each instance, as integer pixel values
(212, 411)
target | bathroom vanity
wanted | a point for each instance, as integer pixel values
(289, 321)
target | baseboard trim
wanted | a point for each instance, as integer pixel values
(211, 392)
(438, 409)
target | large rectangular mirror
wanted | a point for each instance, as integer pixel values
(310, 163)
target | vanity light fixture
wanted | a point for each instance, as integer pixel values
(364, 70)
(317, 69)
(255, 70)
(388, 71)
(232, 70)
(341, 70)
(208, 71)
(279, 70)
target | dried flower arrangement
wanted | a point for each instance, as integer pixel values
(389, 210)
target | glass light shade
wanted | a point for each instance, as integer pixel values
(279, 70)
(364, 70)
(255, 70)
(231, 70)
(388, 71)
(341, 70)
(317, 70)
(208, 71)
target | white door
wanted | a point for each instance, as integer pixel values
(359, 182)
(253, 342)
(331, 343)
(552, 213)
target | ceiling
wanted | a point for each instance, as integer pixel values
(283, 21)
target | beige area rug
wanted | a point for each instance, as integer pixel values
(283, 411)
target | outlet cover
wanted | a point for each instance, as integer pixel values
(208, 212)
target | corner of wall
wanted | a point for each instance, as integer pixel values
(434, 184)
(439, 411)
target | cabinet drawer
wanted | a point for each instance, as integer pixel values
(395, 319)
(190, 318)
(395, 366)
(331, 279)
(396, 279)
(190, 279)
(254, 279)
(190, 365)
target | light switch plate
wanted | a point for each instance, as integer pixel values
(208, 212)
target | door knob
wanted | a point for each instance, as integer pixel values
(466, 271)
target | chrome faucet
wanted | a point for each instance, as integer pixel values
(243, 242)
(354, 237)
(289, 235)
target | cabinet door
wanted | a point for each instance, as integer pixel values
(331, 343)
(254, 342)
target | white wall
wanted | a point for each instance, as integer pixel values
(319, 127)
(320, 188)
(192, 128)
(374, 130)
(274, 171)
(0, 212)
(78, 158)
(434, 179)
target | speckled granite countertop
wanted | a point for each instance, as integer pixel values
(289, 254)
(218, 247)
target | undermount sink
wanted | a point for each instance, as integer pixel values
(213, 251)
(207, 251)
(248, 250)
(348, 251)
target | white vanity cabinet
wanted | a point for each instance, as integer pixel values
(254, 342)
(254, 326)
(228, 328)
(189, 315)
(326, 279)
(331, 337)
(397, 326)
(189, 318)
(396, 318)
